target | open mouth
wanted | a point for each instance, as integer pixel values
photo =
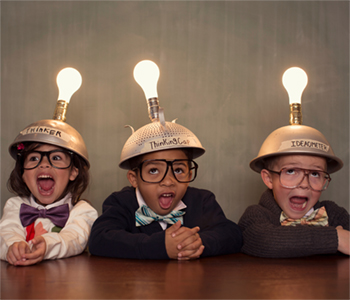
(298, 202)
(166, 199)
(45, 184)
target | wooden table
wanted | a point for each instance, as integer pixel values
(235, 276)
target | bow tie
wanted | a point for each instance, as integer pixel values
(144, 216)
(318, 217)
(58, 215)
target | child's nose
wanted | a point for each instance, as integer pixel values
(305, 182)
(169, 178)
(44, 162)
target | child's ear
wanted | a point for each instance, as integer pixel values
(73, 173)
(132, 177)
(266, 177)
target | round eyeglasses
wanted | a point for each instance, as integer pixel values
(155, 170)
(59, 159)
(293, 177)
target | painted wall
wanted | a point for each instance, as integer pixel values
(221, 65)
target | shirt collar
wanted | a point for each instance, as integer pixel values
(64, 200)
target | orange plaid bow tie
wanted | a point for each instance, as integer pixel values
(318, 217)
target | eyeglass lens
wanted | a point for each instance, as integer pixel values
(318, 180)
(58, 158)
(155, 170)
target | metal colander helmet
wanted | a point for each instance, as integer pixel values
(156, 136)
(296, 139)
(56, 132)
(53, 132)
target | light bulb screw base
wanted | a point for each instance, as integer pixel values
(295, 115)
(153, 109)
(60, 111)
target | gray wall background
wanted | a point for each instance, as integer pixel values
(221, 65)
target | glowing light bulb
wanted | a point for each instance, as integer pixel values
(68, 81)
(294, 81)
(146, 74)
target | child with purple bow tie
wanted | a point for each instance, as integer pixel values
(47, 219)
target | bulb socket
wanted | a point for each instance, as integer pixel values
(153, 109)
(60, 111)
(295, 115)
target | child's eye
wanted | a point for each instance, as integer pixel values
(33, 157)
(315, 174)
(290, 171)
(182, 169)
(153, 171)
(56, 157)
(178, 171)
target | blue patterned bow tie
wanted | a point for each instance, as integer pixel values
(144, 216)
(58, 215)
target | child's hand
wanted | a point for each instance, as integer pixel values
(183, 243)
(343, 240)
(37, 254)
(16, 251)
(170, 242)
(191, 246)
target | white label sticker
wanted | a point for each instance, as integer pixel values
(48, 131)
(154, 145)
(303, 143)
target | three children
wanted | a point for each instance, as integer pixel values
(160, 216)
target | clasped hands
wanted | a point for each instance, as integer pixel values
(183, 243)
(25, 254)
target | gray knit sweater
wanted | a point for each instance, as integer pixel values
(264, 236)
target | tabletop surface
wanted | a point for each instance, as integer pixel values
(235, 276)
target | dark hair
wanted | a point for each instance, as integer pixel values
(134, 162)
(16, 184)
(269, 162)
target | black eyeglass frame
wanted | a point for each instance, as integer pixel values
(306, 172)
(169, 164)
(47, 154)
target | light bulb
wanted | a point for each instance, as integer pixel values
(68, 81)
(146, 74)
(294, 81)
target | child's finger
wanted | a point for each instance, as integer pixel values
(191, 254)
(185, 230)
(18, 250)
(11, 258)
(191, 242)
(28, 262)
(174, 227)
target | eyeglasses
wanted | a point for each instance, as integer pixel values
(293, 177)
(59, 159)
(155, 170)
